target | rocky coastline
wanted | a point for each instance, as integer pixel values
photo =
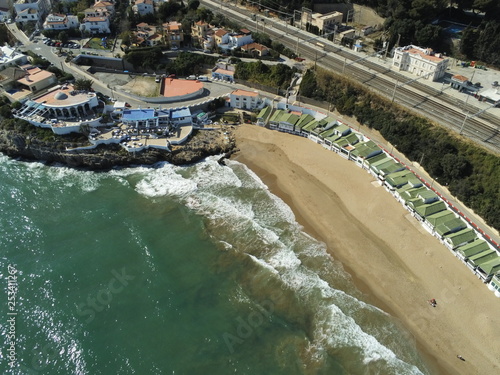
(34, 144)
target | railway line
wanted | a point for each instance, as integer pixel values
(480, 126)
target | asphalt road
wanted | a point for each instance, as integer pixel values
(221, 88)
(104, 83)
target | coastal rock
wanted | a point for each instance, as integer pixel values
(30, 146)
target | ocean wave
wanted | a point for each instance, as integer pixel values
(288, 267)
(164, 181)
(243, 213)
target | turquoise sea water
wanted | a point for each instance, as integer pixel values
(176, 270)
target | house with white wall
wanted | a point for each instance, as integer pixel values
(5, 13)
(9, 57)
(143, 7)
(97, 18)
(56, 21)
(245, 99)
(31, 10)
(422, 62)
(239, 40)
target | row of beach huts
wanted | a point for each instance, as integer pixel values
(437, 215)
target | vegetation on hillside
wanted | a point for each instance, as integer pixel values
(187, 63)
(470, 173)
(279, 75)
(144, 57)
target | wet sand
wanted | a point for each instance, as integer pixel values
(393, 260)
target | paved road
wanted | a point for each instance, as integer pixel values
(104, 84)
(220, 88)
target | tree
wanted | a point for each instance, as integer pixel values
(83, 84)
(468, 41)
(193, 4)
(63, 36)
(5, 111)
(428, 36)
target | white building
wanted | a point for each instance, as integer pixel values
(324, 22)
(27, 15)
(95, 25)
(96, 19)
(31, 10)
(4, 11)
(143, 7)
(9, 57)
(57, 21)
(104, 7)
(63, 110)
(239, 40)
(422, 62)
(245, 99)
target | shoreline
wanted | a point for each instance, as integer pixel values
(408, 265)
(27, 146)
(270, 181)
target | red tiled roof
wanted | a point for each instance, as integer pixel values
(245, 93)
(415, 51)
(458, 77)
(220, 32)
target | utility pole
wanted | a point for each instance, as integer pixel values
(463, 123)
(394, 92)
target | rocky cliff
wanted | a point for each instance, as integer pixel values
(35, 144)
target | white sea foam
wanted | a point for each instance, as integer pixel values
(263, 264)
(250, 180)
(209, 175)
(165, 182)
(334, 328)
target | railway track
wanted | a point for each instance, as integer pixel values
(483, 128)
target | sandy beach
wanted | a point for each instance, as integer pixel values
(393, 260)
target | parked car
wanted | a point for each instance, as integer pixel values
(202, 78)
(192, 77)
(127, 105)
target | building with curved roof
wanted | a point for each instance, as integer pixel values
(63, 109)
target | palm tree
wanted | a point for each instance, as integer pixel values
(83, 84)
